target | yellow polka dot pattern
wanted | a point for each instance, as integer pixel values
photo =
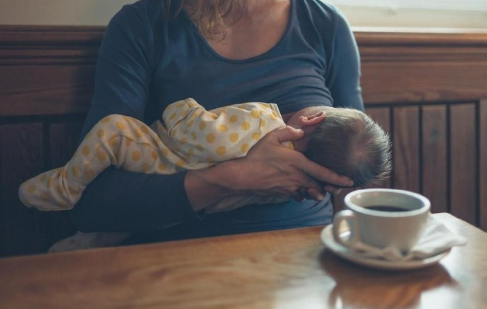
(138, 133)
(136, 155)
(85, 150)
(221, 150)
(202, 125)
(210, 138)
(120, 126)
(75, 171)
(244, 148)
(245, 125)
(234, 137)
(102, 156)
(255, 113)
(144, 129)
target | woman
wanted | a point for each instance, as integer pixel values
(295, 53)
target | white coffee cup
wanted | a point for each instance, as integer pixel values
(383, 218)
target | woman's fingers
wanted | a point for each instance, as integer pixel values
(275, 170)
(309, 167)
(333, 189)
(315, 194)
(286, 134)
(300, 195)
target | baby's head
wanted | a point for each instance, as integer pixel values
(349, 143)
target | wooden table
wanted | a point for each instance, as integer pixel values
(281, 269)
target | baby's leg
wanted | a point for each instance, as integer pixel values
(115, 140)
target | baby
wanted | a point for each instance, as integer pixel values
(190, 137)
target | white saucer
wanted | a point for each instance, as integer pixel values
(344, 252)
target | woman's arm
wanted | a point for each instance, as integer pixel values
(343, 75)
(117, 200)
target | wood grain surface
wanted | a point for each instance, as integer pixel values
(406, 148)
(382, 115)
(280, 269)
(463, 162)
(21, 153)
(434, 156)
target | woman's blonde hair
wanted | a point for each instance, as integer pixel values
(207, 15)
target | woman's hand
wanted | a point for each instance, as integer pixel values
(273, 169)
(269, 169)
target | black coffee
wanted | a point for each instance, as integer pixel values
(387, 208)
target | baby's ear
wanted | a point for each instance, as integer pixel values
(311, 120)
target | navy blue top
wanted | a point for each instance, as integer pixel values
(146, 63)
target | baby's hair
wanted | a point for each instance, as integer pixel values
(350, 143)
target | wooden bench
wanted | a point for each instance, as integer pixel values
(427, 90)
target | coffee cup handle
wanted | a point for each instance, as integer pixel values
(352, 222)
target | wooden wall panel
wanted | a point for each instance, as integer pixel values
(406, 148)
(46, 75)
(45, 90)
(21, 157)
(46, 78)
(381, 115)
(483, 163)
(63, 141)
(463, 189)
(420, 67)
(434, 156)
(423, 81)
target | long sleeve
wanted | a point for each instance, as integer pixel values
(343, 76)
(117, 200)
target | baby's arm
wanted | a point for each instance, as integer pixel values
(219, 134)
